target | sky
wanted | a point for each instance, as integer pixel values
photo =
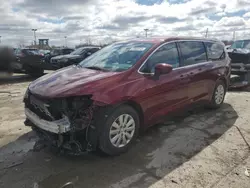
(104, 21)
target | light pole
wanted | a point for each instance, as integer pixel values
(34, 30)
(0, 39)
(146, 32)
(206, 33)
(65, 40)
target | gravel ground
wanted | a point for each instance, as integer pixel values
(202, 149)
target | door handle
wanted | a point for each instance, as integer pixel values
(182, 77)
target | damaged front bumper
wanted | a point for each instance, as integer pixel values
(67, 123)
(58, 126)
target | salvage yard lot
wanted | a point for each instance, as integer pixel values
(204, 148)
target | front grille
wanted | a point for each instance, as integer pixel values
(46, 109)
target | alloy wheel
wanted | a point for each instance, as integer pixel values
(219, 94)
(122, 130)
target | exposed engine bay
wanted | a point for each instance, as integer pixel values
(66, 123)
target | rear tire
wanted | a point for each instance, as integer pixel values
(120, 130)
(218, 95)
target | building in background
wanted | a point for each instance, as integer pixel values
(43, 42)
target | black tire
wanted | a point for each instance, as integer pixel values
(105, 144)
(213, 104)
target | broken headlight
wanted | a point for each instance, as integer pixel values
(78, 110)
(73, 105)
(81, 102)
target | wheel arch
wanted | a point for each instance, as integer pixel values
(137, 107)
(225, 81)
(100, 138)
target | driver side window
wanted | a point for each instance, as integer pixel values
(165, 54)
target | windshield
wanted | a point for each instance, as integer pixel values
(241, 44)
(56, 52)
(118, 56)
(78, 51)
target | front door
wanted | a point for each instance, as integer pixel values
(169, 91)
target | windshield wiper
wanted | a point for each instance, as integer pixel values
(95, 68)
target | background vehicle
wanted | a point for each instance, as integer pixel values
(104, 100)
(7, 57)
(74, 57)
(29, 61)
(44, 52)
(239, 52)
(56, 52)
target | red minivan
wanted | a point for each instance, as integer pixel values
(105, 100)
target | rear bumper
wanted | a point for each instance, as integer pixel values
(59, 126)
(239, 85)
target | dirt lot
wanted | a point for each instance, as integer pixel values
(203, 149)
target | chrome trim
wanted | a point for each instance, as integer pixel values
(149, 57)
(174, 42)
(59, 126)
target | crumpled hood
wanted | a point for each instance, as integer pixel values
(66, 56)
(67, 80)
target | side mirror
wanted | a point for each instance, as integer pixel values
(89, 53)
(163, 68)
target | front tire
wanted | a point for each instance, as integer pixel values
(120, 130)
(218, 95)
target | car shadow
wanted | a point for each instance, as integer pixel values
(240, 89)
(157, 152)
(16, 78)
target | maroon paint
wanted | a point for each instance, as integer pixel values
(163, 68)
(156, 97)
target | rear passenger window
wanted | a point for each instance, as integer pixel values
(215, 51)
(165, 54)
(94, 50)
(193, 52)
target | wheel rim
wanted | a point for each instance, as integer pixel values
(122, 130)
(219, 94)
